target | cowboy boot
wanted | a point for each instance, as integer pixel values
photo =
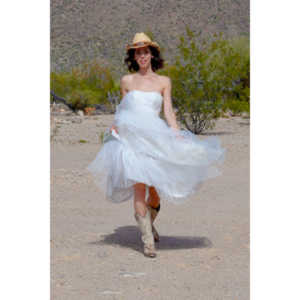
(147, 236)
(154, 212)
(153, 200)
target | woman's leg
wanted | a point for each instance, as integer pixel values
(140, 205)
(153, 202)
(153, 198)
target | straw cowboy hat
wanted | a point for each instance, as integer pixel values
(141, 40)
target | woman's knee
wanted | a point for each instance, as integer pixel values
(139, 190)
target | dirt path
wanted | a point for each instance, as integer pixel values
(96, 247)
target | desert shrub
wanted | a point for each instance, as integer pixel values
(238, 98)
(207, 80)
(82, 98)
(236, 107)
(85, 86)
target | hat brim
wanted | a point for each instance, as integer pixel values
(143, 44)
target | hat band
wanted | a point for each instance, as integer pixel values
(140, 43)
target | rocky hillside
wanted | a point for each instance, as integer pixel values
(83, 30)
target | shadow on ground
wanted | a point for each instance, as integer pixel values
(130, 237)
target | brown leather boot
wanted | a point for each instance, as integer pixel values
(147, 235)
(154, 212)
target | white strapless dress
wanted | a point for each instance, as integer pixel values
(147, 150)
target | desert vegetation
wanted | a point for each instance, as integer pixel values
(210, 78)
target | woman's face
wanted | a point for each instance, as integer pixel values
(143, 56)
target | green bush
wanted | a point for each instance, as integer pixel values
(85, 85)
(208, 79)
(238, 100)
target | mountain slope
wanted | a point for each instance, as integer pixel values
(87, 29)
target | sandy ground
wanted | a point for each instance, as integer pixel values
(96, 251)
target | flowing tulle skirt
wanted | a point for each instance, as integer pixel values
(146, 150)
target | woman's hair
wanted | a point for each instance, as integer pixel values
(157, 61)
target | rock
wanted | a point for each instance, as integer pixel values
(245, 115)
(101, 109)
(108, 292)
(132, 274)
(77, 120)
(60, 109)
(63, 121)
(80, 113)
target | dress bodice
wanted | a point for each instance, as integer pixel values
(141, 102)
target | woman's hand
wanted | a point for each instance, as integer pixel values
(113, 127)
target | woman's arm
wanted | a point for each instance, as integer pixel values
(168, 108)
(123, 84)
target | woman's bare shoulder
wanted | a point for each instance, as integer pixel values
(125, 83)
(127, 78)
(165, 81)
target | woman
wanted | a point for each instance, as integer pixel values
(143, 153)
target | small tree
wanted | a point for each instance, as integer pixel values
(204, 78)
